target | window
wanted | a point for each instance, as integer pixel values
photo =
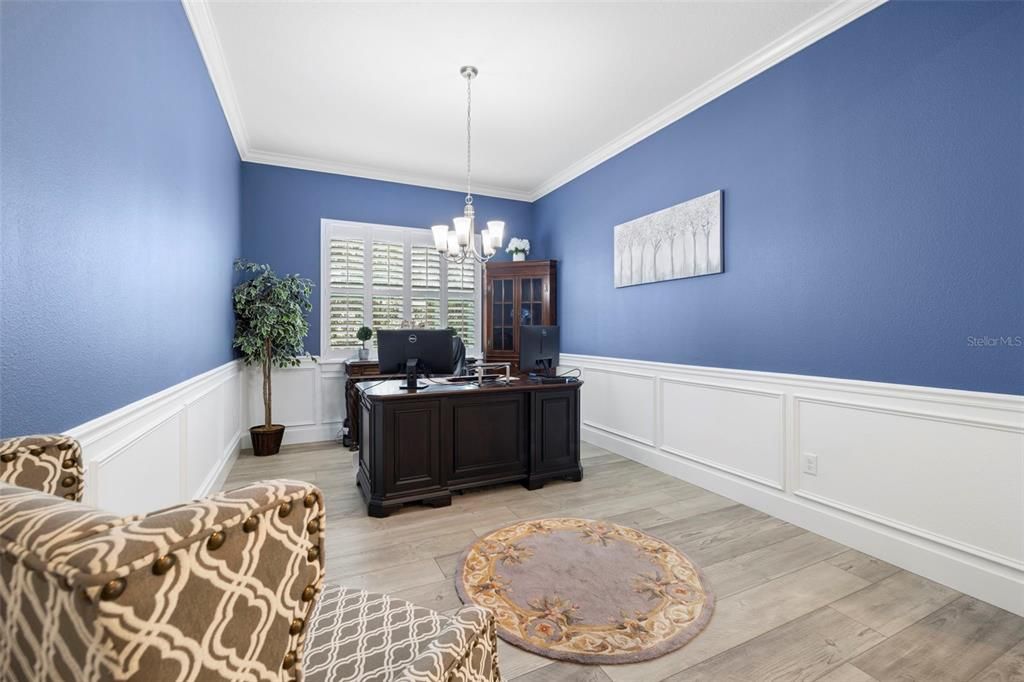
(378, 276)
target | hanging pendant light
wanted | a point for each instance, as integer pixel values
(459, 243)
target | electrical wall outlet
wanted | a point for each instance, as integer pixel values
(810, 466)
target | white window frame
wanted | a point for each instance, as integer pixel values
(408, 237)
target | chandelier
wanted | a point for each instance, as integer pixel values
(459, 243)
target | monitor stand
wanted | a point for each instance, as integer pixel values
(544, 368)
(411, 370)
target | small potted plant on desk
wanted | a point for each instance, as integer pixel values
(270, 327)
(363, 335)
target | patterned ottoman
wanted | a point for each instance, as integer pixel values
(366, 637)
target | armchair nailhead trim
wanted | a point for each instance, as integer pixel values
(163, 564)
(215, 541)
(308, 593)
(64, 446)
(313, 554)
(250, 524)
(68, 481)
(113, 589)
(309, 500)
(68, 463)
(69, 496)
(36, 450)
(285, 509)
(289, 660)
(7, 457)
(296, 627)
(313, 526)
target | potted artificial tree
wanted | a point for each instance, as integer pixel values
(270, 327)
(363, 335)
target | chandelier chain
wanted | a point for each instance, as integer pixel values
(469, 139)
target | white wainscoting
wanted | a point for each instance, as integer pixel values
(309, 400)
(929, 479)
(170, 447)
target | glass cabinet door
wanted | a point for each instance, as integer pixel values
(531, 301)
(502, 304)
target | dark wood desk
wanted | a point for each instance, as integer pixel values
(419, 447)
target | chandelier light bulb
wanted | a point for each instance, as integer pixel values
(440, 237)
(463, 227)
(496, 228)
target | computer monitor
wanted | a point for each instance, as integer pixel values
(538, 348)
(414, 351)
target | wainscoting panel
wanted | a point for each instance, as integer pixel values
(308, 399)
(294, 395)
(145, 474)
(204, 420)
(165, 449)
(946, 479)
(929, 479)
(623, 404)
(698, 421)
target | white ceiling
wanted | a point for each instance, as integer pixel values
(373, 89)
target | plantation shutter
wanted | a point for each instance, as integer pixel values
(346, 319)
(347, 262)
(388, 264)
(427, 312)
(462, 317)
(462, 276)
(426, 268)
(380, 275)
(386, 313)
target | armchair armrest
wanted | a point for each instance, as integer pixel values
(50, 464)
(219, 588)
(465, 650)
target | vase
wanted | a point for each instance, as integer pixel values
(518, 256)
(364, 353)
(266, 440)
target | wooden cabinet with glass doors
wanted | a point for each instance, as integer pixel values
(516, 295)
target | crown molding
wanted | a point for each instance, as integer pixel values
(199, 17)
(373, 173)
(814, 29)
(817, 27)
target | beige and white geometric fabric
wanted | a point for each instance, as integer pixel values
(219, 589)
(49, 464)
(359, 636)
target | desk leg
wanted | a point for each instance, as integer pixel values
(537, 482)
(436, 502)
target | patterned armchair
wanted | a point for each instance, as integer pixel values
(226, 588)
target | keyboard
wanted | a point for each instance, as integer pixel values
(552, 380)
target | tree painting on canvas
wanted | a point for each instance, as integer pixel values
(681, 241)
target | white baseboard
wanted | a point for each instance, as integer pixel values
(931, 480)
(308, 399)
(168, 448)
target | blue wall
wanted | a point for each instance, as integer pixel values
(119, 211)
(282, 208)
(874, 212)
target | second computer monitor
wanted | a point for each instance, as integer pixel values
(538, 348)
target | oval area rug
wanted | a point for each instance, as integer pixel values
(585, 591)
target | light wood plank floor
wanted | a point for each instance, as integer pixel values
(791, 604)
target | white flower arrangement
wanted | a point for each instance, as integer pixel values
(517, 245)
